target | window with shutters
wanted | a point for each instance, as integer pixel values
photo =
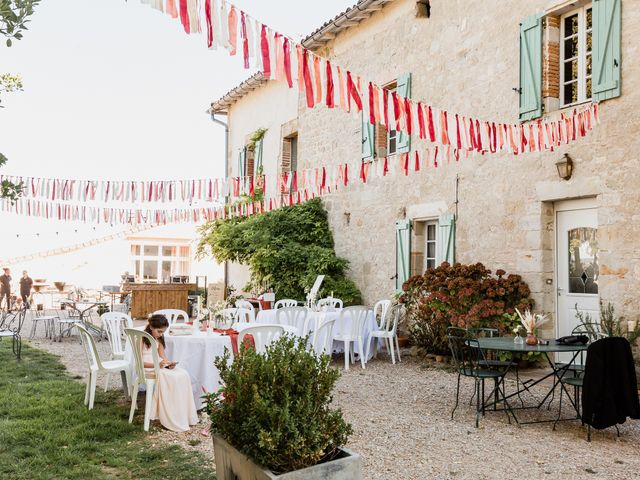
(575, 56)
(250, 162)
(289, 157)
(425, 238)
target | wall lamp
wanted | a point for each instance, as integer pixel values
(565, 167)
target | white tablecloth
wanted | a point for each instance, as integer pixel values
(196, 354)
(269, 316)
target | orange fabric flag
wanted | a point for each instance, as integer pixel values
(233, 31)
(316, 72)
(343, 103)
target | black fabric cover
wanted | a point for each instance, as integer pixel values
(610, 390)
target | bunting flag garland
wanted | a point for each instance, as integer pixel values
(270, 52)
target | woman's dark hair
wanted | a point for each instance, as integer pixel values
(156, 321)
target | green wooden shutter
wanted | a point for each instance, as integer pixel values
(403, 252)
(404, 90)
(446, 239)
(257, 162)
(242, 160)
(531, 67)
(606, 49)
(368, 139)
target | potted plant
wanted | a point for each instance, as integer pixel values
(272, 420)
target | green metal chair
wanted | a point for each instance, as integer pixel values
(468, 359)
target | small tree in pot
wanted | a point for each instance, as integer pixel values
(272, 417)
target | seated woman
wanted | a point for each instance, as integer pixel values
(173, 402)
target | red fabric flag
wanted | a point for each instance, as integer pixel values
(458, 139)
(264, 45)
(409, 116)
(396, 110)
(346, 174)
(300, 68)
(479, 136)
(245, 40)
(372, 116)
(307, 79)
(417, 167)
(316, 72)
(171, 9)
(444, 128)
(184, 16)
(385, 103)
(353, 93)
(405, 163)
(323, 183)
(421, 125)
(385, 167)
(286, 48)
(330, 88)
(233, 30)
(432, 130)
(435, 157)
(207, 14)
(472, 134)
(363, 175)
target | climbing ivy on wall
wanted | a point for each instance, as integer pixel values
(285, 249)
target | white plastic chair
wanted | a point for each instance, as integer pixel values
(114, 324)
(355, 317)
(380, 310)
(142, 377)
(329, 303)
(174, 316)
(246, 305)
(389, 332)
(96, 365)
(294, 317)
(263, 336)
(322, 337)
(285, 302)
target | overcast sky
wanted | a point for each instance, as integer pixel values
(117, 90)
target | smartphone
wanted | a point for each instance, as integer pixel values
(171, 365)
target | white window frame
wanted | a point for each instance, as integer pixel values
(390, 130)
(158, 259)
(582, 55)
(427, 224)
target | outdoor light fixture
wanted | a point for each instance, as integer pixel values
(565, 167)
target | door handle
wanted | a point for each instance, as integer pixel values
(560, 290)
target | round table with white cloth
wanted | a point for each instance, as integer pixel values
(196, 353)
(339, 327)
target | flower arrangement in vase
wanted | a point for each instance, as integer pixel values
(531, 322)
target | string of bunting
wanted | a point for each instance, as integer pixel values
(133, 191)
(322, 82)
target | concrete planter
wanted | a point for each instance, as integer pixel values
(234, 465)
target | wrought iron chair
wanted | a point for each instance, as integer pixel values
(11, 326)
(468, 359)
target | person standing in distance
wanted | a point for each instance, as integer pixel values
(25, 288)
(5, 287)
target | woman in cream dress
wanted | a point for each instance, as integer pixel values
(173, 402)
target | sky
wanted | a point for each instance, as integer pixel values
(116, 90)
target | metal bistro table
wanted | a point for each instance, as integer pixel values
(83, 308)
(506, 344)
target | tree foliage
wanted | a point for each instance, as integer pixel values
(14, 16)
(286, 249)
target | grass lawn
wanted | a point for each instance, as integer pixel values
(46, 432)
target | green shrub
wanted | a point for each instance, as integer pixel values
(275, 407)
(466, 296)
(285, 250)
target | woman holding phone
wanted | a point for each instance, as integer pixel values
(173, 402)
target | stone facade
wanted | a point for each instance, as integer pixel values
(465, 58)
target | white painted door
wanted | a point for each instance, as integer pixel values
(577, 268)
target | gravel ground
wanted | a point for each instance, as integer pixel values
(402, 427)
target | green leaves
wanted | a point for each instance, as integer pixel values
(286, 248)
(14, 16)
(275, 407)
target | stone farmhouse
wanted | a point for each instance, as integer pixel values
(574, 240)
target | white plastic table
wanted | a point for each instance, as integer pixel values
(339, 327)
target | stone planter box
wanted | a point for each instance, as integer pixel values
(232, 464)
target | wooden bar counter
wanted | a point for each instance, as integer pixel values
(149, 297)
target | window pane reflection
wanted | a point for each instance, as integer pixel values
(583, 260)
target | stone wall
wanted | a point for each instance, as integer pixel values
(465, 58)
